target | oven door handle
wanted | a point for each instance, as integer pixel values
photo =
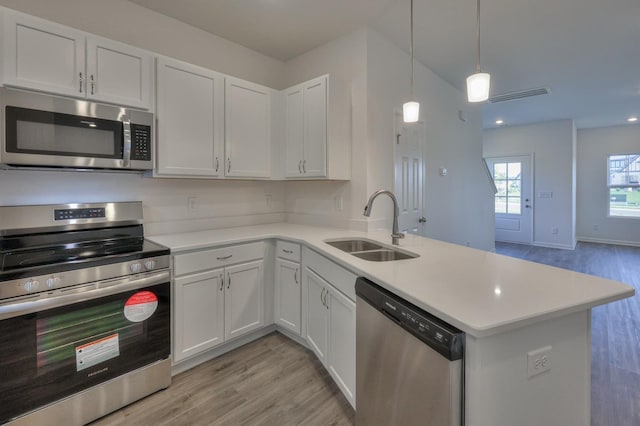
(64, 297)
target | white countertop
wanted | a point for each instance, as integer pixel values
(479, 292)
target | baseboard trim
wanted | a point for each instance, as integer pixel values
(556, 246)
(607, 241)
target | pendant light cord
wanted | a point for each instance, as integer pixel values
(478, 22)
(411, 47)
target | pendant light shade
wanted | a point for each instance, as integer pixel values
(411, 109)
(478, 84)
(478, 87)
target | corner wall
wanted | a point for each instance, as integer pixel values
(594, 223)
(552, 145)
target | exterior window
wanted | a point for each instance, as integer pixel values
(624, 185)
(508, 179)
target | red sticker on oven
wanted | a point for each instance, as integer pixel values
(140, 306)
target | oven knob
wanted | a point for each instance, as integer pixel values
(31, 285)
(136, 267)
(52, 282)
(150, 264)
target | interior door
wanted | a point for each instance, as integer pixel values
(514, 200)
(409, 175)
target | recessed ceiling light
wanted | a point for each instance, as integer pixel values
(499, 122)
(632, 119)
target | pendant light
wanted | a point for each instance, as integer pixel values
(411, 109)
(478, 84)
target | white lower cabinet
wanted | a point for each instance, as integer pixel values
(331, 328)
(243, 299)
(219, 304)
(287, 295)
(199, 313)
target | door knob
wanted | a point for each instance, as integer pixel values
(422, 219)
(527, 206)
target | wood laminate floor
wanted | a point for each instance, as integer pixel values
(615, 337)
(271, 381)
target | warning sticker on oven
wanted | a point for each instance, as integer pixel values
(98, 351)
(140, 306)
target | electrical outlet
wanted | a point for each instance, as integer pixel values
(442, 171)
(596, 227)
(268, 198)
(338, 201)
(554, 231)
(538, 361)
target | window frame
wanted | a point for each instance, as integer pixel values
(625, 186)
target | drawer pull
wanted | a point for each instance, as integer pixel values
(224, 257)
(287, 251)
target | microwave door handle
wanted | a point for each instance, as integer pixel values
(126, 151)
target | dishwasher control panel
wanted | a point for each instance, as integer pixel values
(442, 337)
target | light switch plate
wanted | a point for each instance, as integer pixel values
(538, 361)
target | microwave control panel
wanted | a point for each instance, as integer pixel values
(140, 142)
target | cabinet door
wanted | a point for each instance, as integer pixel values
(244, 299)
(199, 313)
(287, 295)
(247, 129)
(190, 119)
(118, 73)
(44, 56)
(317, 314)
(294, 128)
(315, 128)
(342, 343)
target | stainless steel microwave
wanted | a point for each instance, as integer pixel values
(40, 130)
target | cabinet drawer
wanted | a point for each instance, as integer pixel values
(215, 258)
(336, 275)
(289, 251)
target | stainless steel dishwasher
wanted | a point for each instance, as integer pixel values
(409, 364)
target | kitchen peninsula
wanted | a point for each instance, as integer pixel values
(509, 309)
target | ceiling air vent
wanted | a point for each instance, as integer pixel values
(519, 95)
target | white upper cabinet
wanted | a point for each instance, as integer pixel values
(190, 113)
(247, 129)
(118, 73)
(41, 55)
(317, 131)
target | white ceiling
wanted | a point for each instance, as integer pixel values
(586, 51)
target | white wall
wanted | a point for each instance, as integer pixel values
(552, 145)
(593, 223)
(458, 207)
(220, 203)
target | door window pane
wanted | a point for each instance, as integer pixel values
(508, 180)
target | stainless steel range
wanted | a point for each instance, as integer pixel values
(84, 312)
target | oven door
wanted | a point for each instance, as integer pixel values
(54, 347)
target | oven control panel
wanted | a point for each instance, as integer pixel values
(70, 214)
(56, 281)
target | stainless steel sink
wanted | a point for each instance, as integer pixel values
(351, 246)
(371, 251)
(384, 255)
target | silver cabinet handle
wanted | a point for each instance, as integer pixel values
(228, 280)
(287, 251)
(93, 84)
(81, 82)
(322, 296)
(217, 164)
(221, 281)
(224, 257)
(304, 166)
(326, 299)
(295, 276)
(300, 166)
(228, 165)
